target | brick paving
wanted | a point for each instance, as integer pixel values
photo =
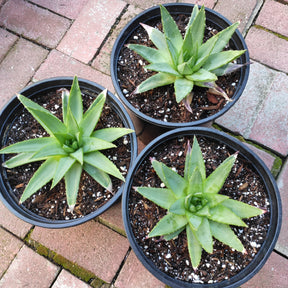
(41, 39)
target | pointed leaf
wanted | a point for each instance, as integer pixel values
(224, 234)
(40, 178)
(206, 48)
(72, 180)
(21, 159)
(194, 247)
(178, 207)
(99, 176)
(204, 236)
(31, 145)
(65, 99)
(215, 199)
(72, 125)
(93, 114)
(91, 144)
(111, 134)
(202, 75)
(157, 80)
(216, 179)
(194, 13)
(64, 165)
(162, 197)
(98, 160)
(168, 224)
(78, 155)
(53, 149)
(241, 209)
(174, 53)
(170, 178)
(194, 220)
(75, 101)
(224, 215)
(182, 88)
(174, 235)
(228, 68)
(195, 183)
(162, 67)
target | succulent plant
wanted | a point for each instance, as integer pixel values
(187, 62)
(194, 204)
(74, 145)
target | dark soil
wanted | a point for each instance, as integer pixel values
(160, 103)
(52, 203)
(172, 257)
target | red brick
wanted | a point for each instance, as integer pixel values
(90, 29)
(237, 10)
(67, 280)
(29, 269)
(33, 22)
(270, 127)
(7, 40)
(18, 67)
(206, 3)
(273, 274)
(134, 274)
(279, 22)
(67, 8)
(282, 244)
(9, 247)
(59, 64)
(268, 49)
(13, 223)
(92, 245)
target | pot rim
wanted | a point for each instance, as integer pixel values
(143, 17)
(44, 85)
(271, 187)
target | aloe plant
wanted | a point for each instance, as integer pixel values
(194, 204)
(188, 61)
(73, 146)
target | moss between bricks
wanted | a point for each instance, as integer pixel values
(73, 268)
(277, 164)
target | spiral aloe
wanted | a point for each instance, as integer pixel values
(73, 145)
(187, 62)
(194, 204)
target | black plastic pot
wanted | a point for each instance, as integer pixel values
(269, 183)
(6, 118)
(237, 43)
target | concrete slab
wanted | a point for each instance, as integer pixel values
(7, 40)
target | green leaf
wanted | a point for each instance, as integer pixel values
(204, 212)
(178, 207)
(21, 159)
(195, 183)
(31, 145)
(206, 48)
(224, 215)
(194, 159)
(182, 88)
(98, 160)
(185, 68)
(224, 234)
(160, 196)
(204, 236)
(194, 13)
(170, 29)
(150, 54)
(111, 134)
(174, 235)
(91, 144)
(241, 209)
(92, 115)
(168, 224)
(157, 80)
(194, 247)
(215, 199)
(187, 47)
(216, 179)
(48, 121)
(40, 178)
(72, 125)
(64, 165)
(162, 67)
(224, 36)
(202, 75)
(170, 178)
(75, 101)
(65, 99)
(72, 180)
(53, 149)
(217, 60)
(194, 220)
(99, 176)
(78, 155)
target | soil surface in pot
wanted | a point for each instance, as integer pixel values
(52, 203)
(172, 257)
(160, 103)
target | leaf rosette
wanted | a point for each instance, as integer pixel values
(73, 146)
(194, 205)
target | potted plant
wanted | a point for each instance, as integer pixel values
(57, 170)
(188, 80)
(206, 216)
